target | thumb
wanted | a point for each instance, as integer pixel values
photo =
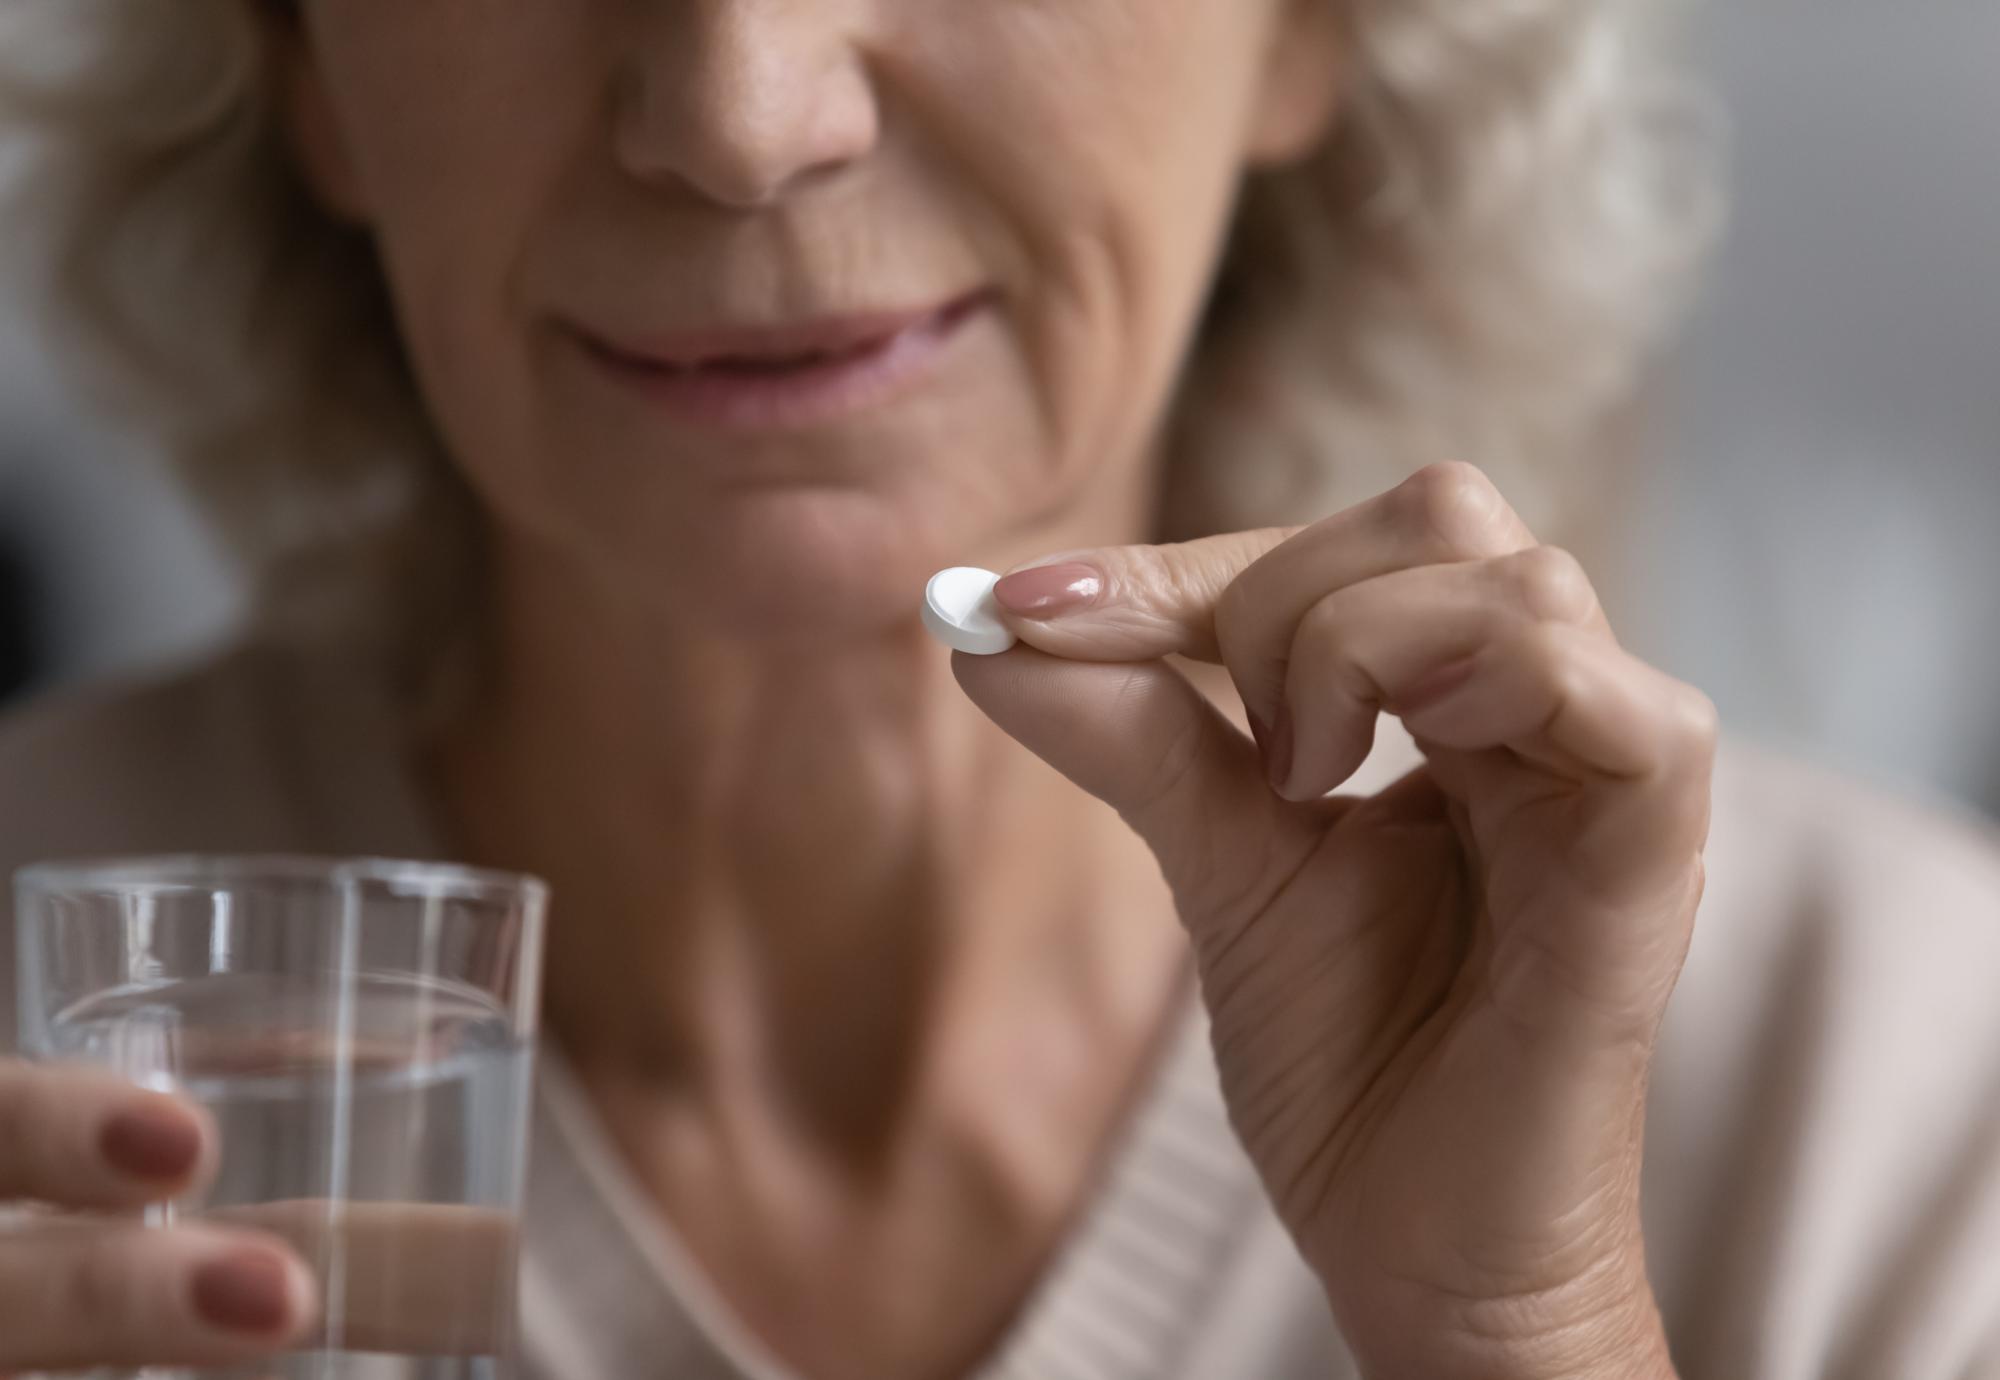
(1140, 738)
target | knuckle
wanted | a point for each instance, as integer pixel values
(1322, 622)
(1324, 648)
(1162, 572)
(1553, 655)
(1697, 725)
(1171, 579)
(1569, 680)
(1322, 628)
(1186, 571)
(1455, 505)
(1551, 584)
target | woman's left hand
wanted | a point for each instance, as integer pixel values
(1434, 1009)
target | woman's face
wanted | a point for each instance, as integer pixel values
(767, 308)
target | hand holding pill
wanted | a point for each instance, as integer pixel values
(1433, 1008)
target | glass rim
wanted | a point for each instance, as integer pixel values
(144, 874)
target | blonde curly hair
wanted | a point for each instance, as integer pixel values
(1471, 268)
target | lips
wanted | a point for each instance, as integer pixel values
(786, 375)
(773, 347)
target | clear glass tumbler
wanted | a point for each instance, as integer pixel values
(363, 1032)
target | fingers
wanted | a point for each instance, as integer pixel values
(1375, 645)
(1480, 688)
(1556, 693)
(1442, 515)
(1502, 654)
(1432, 601)
(85, 1137)
(1237, 598)
(1614, 822)
(112, 1294)
(1579, 705)
(1146, 742)
(413, 1279)
(1131, 603)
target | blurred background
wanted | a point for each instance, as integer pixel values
(1818, 534)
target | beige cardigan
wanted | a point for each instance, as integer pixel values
(1823, 1148)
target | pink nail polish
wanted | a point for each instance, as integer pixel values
(151, 1140)
(1049, 591)
(245, 1292)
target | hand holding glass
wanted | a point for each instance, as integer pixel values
(361, 1033)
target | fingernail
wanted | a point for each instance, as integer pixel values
(1049, 591)
(1433, 688)
(250, 1291)
(1278, 751)
(151, 1141)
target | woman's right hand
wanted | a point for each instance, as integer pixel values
(82, 1282)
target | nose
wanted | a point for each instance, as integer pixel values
(742, 100)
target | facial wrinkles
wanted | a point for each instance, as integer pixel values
(617, 253)
(1084, 146)
(643, 243)
(458, 185)
(987, 162)
(1072, 153)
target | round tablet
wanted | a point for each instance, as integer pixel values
(959, 611)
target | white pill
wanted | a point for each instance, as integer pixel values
(960, 612)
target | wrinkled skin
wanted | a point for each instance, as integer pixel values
(1434, 1008)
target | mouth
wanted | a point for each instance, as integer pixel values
(780, 377)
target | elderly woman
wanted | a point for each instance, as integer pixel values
(591, 387)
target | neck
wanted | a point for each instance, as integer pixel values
(800, 871)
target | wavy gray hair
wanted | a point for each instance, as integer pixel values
(1471, 268)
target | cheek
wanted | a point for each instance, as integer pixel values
(478, 198)
(1085, 153)
(836, 532)
(462, 133)
(474, 351)
(1109, 134)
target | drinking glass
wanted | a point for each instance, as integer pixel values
(362, 1032)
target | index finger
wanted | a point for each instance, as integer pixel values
(1236, 598)
(1131, 603)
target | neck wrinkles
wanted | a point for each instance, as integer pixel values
(757, 848)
